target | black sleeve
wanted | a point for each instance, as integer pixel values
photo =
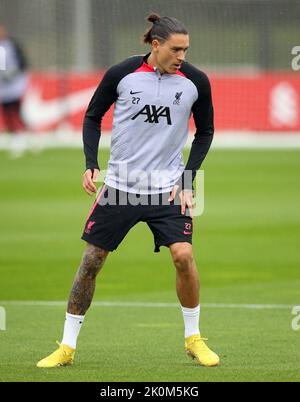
(203, 114)
(105, 95)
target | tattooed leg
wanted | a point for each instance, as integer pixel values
(85, 280)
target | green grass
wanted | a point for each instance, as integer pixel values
(246, 246)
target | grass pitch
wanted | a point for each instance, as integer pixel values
(246, 246)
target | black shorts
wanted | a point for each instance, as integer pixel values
(107, 225)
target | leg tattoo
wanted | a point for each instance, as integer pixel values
(85, 280)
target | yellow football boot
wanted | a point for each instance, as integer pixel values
(196, 348)
(63, 356)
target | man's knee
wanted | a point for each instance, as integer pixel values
(92, 260)
(183, 258)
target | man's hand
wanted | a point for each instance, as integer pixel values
(186, 199)
(89, 178)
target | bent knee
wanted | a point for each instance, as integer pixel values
(183, 260)
(92, 261)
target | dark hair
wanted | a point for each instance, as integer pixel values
(162, 28)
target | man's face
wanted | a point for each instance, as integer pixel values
(171, 53)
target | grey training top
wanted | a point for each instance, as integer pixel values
(150, 125)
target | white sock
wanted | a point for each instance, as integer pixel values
(72, 328)
(191, 317)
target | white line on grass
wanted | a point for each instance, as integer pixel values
(222, 140)
(41, 303)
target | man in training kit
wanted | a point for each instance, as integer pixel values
(13, 83)
(154, 96)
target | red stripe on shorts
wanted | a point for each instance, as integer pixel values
(96, 202)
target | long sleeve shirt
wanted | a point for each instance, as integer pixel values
(150, 125)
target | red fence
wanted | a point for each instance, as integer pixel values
(260, 102)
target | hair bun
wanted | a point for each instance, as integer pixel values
(153, 18)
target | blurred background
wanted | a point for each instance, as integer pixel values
(245, 46)
(76, 35)
(246, 244)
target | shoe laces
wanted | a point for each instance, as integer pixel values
(61, 349)
(197, 339)
(200, 342)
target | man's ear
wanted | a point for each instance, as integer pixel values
(155, 44)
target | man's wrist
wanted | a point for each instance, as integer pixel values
(92, 168)
(185, 182)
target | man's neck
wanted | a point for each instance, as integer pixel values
(152, 62)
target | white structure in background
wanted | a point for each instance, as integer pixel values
(296, 60)
(2, 58)
(2, 319)
(82, 25)
(284, 106)
(296, 320)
